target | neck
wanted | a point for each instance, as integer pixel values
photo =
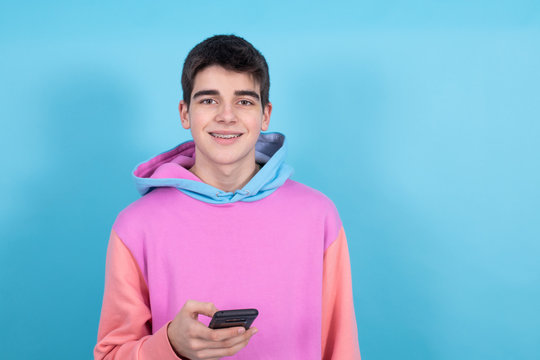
(228, 178)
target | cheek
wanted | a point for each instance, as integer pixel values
(196, 121)
(197, 131)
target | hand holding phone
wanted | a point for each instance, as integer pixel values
(192, 339)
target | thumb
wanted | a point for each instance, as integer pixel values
(196, 307)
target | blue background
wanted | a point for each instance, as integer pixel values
(419, 119)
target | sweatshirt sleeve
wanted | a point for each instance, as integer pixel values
(125, 325)
(339, 332)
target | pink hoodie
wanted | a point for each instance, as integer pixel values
(275, 245)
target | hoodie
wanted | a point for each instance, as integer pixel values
(275, 245)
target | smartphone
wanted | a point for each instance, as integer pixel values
(231, 318)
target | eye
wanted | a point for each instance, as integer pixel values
(245, 102)
(208, 101)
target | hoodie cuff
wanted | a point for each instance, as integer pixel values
(158, 346)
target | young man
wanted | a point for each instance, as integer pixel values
(221, 226)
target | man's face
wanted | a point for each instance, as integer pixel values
(225, 117)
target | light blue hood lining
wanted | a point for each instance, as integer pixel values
(270, 152)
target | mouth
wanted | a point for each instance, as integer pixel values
(225, 136)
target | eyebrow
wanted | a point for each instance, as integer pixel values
(236, 93)
(205, 92)
(247, 93)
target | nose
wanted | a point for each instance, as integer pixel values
(226, 114)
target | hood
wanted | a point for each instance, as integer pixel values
(171, 169)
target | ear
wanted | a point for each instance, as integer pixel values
(183, 108)
(266, 116)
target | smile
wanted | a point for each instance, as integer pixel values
(223, 136)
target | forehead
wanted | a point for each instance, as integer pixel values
(215, 77)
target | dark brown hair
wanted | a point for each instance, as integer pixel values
(232, 53)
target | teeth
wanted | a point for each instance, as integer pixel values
(225, 136)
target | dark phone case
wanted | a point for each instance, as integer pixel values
(230, 318)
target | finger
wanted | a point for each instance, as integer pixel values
(228, 342)
(205, 333)
(221, 352)
(196, 307)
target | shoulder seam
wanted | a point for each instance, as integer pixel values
(340, 232)
(140, 273)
